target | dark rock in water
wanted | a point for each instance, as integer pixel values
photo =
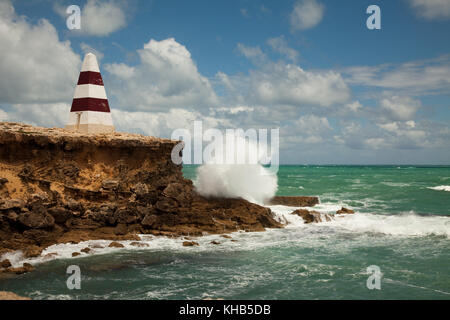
(215, 242)
(86, 250)
(294, 201)
(5, 264)
(115, 244)
(311, 216)
(190, 243)
(26, 267)
(32, 251)
(226, 236)
(75, 254)
(138, 244)
(345, 211)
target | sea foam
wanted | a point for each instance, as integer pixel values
(440, 188)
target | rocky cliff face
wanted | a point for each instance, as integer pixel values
(58, 186)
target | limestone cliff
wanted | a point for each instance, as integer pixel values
(58, 186)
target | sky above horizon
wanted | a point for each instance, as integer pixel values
(339, 92)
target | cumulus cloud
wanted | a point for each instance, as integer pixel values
(414, 77)
(287, 84)
(279, 44)
(431, 9)
(98, 18)
(306, 14)
(166, 77)
(279, 84)
(400, 108)
(40, 114)
(36, 66)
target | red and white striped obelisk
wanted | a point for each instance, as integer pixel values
(90, 109)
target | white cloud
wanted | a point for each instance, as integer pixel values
(98, 18)
(400, 108)
(415, 77)
(254, 54)
(166, 77)
(40, 114)
(306, 14)
(287, 84)
(431, 9)
(35, 66)
(88, 49)
(280, 45)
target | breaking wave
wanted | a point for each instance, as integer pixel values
(440, 188)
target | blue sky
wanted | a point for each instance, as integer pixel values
(339, 92)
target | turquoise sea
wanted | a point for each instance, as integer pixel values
(402, 225)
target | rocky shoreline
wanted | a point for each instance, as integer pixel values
(63, 187)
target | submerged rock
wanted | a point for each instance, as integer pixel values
(115, 244)
(190, 243)
(345, 211)
(312, 216)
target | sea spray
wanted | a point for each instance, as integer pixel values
(244, 178)
(246, 181)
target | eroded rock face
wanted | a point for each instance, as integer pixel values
(59, 186)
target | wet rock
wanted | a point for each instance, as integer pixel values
(115, 244)
(226, 236)
(190, 243)
(215, 242)
(75, 254)
(294, 201)
(5, 263)
(26, 267)
(308, 216)
(86, 250)
(32, 251)
(345, 211)
(139, 244)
